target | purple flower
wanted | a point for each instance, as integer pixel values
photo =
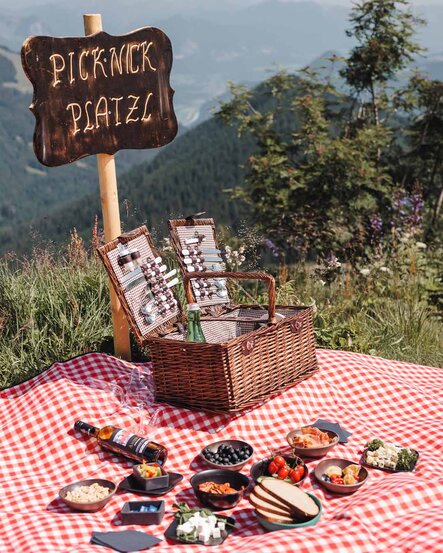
(407, 212)
(268, 243)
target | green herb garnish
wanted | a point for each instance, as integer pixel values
(406, 459)
(374, 444)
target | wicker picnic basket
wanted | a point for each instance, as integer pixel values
(247, 359)
(250, 353)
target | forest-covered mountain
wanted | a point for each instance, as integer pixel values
(194, 173)
(189, 175)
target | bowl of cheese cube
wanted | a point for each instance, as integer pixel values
(199, 526)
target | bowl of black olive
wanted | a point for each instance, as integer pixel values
(227, 454)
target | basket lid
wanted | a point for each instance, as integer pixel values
(142, 282)
(195, 244)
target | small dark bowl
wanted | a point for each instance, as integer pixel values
(259, 469)
(234, 443)
(130, 513)
(154, 483)
(88, 507)
(323, 466)
(219, 502)
(312, 451)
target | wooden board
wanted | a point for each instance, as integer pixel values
(99, 93)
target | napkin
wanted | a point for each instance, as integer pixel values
(125, 541)
(343, 434)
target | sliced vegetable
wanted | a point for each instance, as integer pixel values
(212, 487)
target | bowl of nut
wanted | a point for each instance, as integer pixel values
(88, 495)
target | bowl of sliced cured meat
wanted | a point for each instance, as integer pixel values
(310, 441)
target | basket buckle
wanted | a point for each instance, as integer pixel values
(296, 326)
(248, 346)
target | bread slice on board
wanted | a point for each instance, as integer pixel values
(271, 517)
(298, 501)
(260, 503)
(269, 499)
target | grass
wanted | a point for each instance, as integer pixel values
(50, 310)
(56, 306)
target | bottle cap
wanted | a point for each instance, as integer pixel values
(85, 427)
(193, 307)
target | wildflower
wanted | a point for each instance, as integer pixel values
(271, 246)
(376, 225)
(365, 272)
(331, 261)
(421, 245)
(385, 270)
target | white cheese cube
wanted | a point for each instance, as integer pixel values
(204, 535)
(179, 530)
(212, 520)
(216, 533)
(380, 463)
(187, 527)
(221, 524)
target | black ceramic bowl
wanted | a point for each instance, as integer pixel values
(236, 444)
(90, 507)
(153, 483)
(260, 468)
(219, 502)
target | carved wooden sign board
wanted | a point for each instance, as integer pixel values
(99, 93)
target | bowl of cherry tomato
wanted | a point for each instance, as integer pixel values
(284, 467)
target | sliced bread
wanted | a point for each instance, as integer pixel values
(271, 517)
(298, 501)
(265, 496)
(260, 503)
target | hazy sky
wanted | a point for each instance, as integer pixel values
(17, 4)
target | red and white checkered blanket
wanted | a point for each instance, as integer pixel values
(370, 397)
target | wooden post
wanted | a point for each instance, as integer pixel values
(111, 218)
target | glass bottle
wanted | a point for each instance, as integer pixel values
(125, 443)
(194, 332)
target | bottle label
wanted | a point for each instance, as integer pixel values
(133, 445)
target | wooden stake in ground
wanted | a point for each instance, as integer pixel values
(111, 218)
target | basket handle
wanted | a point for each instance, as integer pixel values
(241, 276)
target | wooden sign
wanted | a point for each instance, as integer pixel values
(99, 93)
